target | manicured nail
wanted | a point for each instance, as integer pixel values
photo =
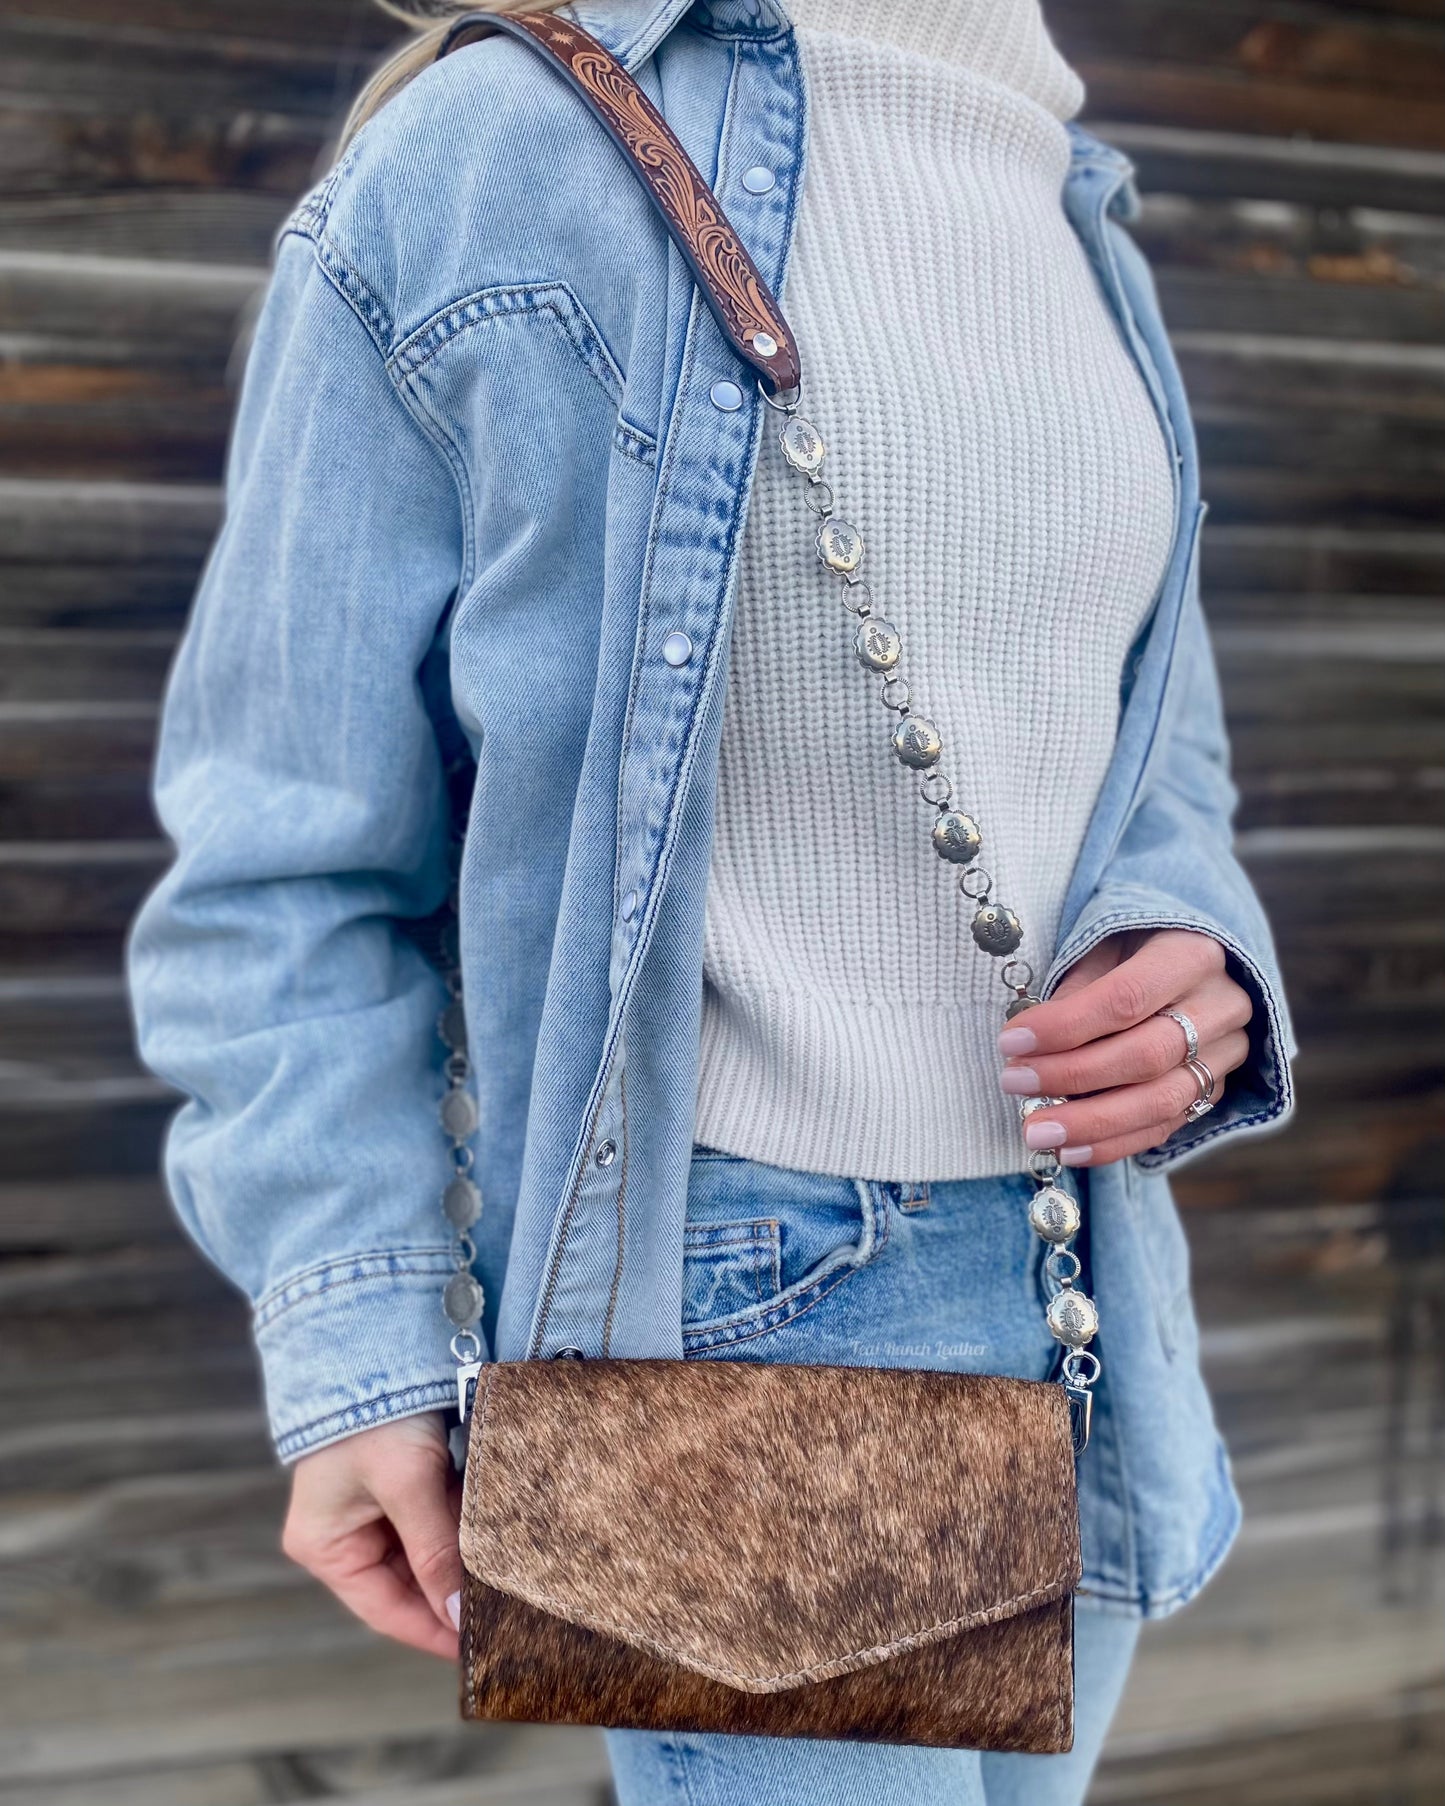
(454, 1610)
(1017, 1041)
(1019, 1081)
(1076, 1156)
(1040, 1135)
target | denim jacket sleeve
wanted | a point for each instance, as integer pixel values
(1175, 867)
(300, 780)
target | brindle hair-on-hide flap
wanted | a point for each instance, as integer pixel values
(790, 1551)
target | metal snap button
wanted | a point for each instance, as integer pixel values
(759, 179)
(726, 396)
(629, 906)
(607, 1153)
(677, 649)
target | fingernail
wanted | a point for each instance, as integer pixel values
(1017, 1041)
(1076, 1156)
(454, 1609)
(1019, 1081)
(1041, 1135)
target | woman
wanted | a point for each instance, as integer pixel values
(500, 489)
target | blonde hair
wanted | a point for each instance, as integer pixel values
(431, 20)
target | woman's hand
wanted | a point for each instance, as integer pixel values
(374, 1518)
(1097, 1040)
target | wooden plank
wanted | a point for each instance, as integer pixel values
(1363, 248)
(63, 1022)
(172, 1367)
(103, 523)
(121, 304)
(83, 1131)
(153, 591)
(1323, 559)
(86, 806)
(111, 420)
(1371, 498)
(84, 887)
(83, 1136)
(1344, 1759)
(1339, 1149)
(1270, 42)
(42, 666)
(146, 397)
(1318, 442)
(1141, 92)
(1244, 165)
(100, 554)
(1196, 300)
(557, 1774)
(340, 28)
(160, 220)
(73, 72)
(74, 1215)
(52, 153)
(1316, 378)
(47, 739)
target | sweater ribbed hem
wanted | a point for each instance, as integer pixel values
(860, 1090)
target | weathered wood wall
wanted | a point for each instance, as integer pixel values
(151, 1639)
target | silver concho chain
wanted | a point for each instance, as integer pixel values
(463, 1298)
(1054, 1213)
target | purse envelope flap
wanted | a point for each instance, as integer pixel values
(769, 1526)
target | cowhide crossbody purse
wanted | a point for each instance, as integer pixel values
(729, 1546)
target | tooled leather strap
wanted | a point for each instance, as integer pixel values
(726, 274)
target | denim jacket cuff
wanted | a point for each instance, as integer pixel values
(353, 1343)
(1257, 1096)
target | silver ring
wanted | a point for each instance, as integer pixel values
(1191, 1034)
(1204, 1079)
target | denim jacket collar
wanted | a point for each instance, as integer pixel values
(633, 29)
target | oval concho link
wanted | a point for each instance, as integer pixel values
(840, 546)
(957, 837)
(997, 930)
(462, 1202)
(1054, 1215)
(1073, 1318)
(803, 446)
(458, 1114)
(463, 1300)
(917, 742)
(878, 644)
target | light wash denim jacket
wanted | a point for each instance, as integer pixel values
(478, 462)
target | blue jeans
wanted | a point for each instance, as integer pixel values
(795, 1267)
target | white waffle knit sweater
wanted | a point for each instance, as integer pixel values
(990, 435)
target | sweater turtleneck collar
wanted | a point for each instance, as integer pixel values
(1005, 41)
